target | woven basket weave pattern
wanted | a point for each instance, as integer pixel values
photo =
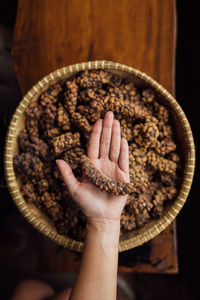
(138, 236)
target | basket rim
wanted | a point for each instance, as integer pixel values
(145, 234)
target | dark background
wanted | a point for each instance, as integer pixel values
(183, 285)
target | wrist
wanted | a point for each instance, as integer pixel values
(103, 224)
(106, 230)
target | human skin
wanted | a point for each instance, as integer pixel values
(97, 275)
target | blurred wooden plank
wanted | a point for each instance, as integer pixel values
(50, 34)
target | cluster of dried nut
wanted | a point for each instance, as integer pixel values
(105, 183)
(59, 125)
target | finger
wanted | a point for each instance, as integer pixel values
(106, 135)
(115, 141)
(68, 176)
(94, 141)
(124, 156)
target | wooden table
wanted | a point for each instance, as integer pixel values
(50, 34)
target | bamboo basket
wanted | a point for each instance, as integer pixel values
(135, 237)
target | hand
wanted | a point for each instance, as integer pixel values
(110, 155)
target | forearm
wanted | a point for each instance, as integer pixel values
(97, 276)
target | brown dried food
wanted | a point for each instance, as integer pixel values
(127, 222)
(93, 114)
(87, 95)
(28, 192)
(56, 173)
(167, 179)
(71, 95)
(150, 129)
(79, 231)
(148, 95)
(124, 91)
(81, 122)
(115, 80)
(99, 104)
(33, 145)
(160, 163)
(103, 182)
(154, 160)
(144, 201)
(42, 186)
(116, 92)
(125, 123)
(126, 108)
(28, 165)
(50, 206)
(158, 203)
(138, 177)
(51, 133)
(96, 108)
(74, 157)
(141, 207)
(63, 119)
(74, 221)
(33, 111)
(175, 157)
(166, 146)
(146, 134)
(93, 78)
(165, 129)
(72, 214)
(137, 156)
(65, 141)
(127, 133)
(142, 218)
(23, 140)
(32, 127)
(140, 111)
(160, 112)
(47, 120)
(51, 96)
(170, 192)
(62, 227)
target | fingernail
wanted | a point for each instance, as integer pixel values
(124, 141)
(117, 123)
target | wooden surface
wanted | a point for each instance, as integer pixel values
(50, 34)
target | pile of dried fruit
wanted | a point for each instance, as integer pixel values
(59, 125)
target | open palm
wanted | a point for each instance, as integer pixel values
(109, 154)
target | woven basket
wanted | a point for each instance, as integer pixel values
(137, 236)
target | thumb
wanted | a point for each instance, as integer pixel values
(68, 176)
